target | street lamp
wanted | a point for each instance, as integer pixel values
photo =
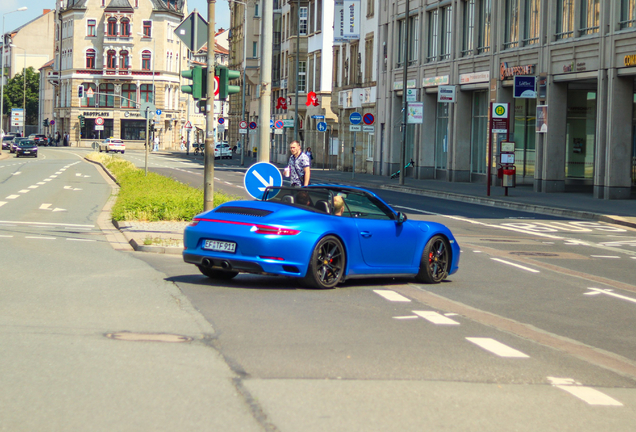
(23, 8)
(244, 72)
(24, 114)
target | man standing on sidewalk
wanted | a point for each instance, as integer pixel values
(156, 144)
(298, 168)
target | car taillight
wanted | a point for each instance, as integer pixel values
(194, 223)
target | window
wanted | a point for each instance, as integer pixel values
(432, 35)
(531, 21)
(147, 28)
(319, 15)
(354, 55)
(302, 77)
(106, 95)
(485, 9)
(318, 75)
(133, 130)
(370, 8)
(303, 21)
(447, 33)
(590, 16)
(145, 92)
(254, 49)
(628, 13)
(468, 42)
(511, 25)
(90, 29)
(565, 19)
(368, 59)
(111, 60)
(414, 39)
(336, 67)
(111, 27)
(125, 27)
(86, 101)
(145, 60)
(256, 11)
(129, 96)
(90, 59)
(124, 62)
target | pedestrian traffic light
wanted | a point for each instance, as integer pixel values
(199, 86)
(80, 91)
(201, 106)
(226, 75)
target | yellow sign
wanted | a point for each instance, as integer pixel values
(630, 60)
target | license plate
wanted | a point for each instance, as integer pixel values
(27, 152)
(220, 246)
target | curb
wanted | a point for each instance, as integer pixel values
(140, 247)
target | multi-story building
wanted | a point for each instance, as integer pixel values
(582, 51)
(46, 99)
(123, 53)
(354, 79)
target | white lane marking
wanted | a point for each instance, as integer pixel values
(40, 238)
(597, 291)
(58, 210)
(620, 243)
(40, 183)
(53, 176)
(515, 265)
(59, 172)
(576, 243)
(436, 318)
(78, 174)
(33, 187)
(45, 223)
(10, 236)
(47, 180)
(633, 257)
(45, 206)
(605, 256)
(2, 203)
(391, 296)
(407, 317)
(23, 191)
(71, 188)
(79, 239)
(17, 173)
(586, 394)
(12, 197)
(497, 348)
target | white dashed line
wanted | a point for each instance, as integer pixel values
(33, 187)
(10, 236)
(45, 206)
(17, 173)
(12, 197)
(39, 238)
(407, 317)
(79, 239)
(597, 291)
(497, 348)
(515, 265)
(586, 394)
(391, 296)
(2, 203)
(47, 180)
(23, 191)
(436, 318)
(605, 256)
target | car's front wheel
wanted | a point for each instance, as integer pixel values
(327, 264)
(217, 274)
(435, 262)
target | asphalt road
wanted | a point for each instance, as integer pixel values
(534, 333)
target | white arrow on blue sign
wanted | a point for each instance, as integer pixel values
(259, 176)
(355, 118)
(321, 126)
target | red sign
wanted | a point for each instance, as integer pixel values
(243, 125)
(99, 121)
(368, 119)
(216, 85)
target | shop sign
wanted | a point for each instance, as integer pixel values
(506, 71)
(399, 85)
(475, 77)
(525, 87)
(435, 81)
(131, 114)
(96, 114)
(351, 25)
(629, 60)
(447, 94)
(542, 119)
(415, 113)
(411, 95)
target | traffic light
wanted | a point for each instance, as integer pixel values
(81, 120)
(199, 87)
(45, 122)
(226, 75)
(80, 91)
(201, 106)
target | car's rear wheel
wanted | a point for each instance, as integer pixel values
(435, 262)
(122, 152)
(217, 274)
(327, 264)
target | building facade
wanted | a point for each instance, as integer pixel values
(46, 100)
(583, 53)
(123, 54)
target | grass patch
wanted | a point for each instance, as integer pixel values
(152, 198)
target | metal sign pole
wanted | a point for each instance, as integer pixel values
(147, 142)
(208, 155)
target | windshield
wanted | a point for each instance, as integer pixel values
(310, 198)
(26, 143)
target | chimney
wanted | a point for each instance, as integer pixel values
(45, 11)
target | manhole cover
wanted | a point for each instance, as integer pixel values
(535, 254)
(148, 337)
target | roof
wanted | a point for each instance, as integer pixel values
(76, 4)
(26, 24)
(119, 5)
(47, 64)
(175, 6)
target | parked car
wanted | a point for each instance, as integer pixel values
(14, 143)
(40, 139)
(112, 145)
(26, 147)
(223, 151)
(6, 141)
(323, 234)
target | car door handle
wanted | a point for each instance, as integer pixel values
(365, 234)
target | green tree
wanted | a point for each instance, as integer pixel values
(14, 95)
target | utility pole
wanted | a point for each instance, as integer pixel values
(405, 103)
(296, 125)
(208, 157)
(265, 101)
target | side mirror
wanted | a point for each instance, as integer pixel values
(401, 218)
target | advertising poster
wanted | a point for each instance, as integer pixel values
(542, 119)
(415, 113)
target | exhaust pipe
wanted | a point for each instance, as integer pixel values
(206, 262)
(226, 265)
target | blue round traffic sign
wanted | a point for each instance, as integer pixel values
(221, 120)
(259, 176)
(321, 126)
(355, 118)
(158, 112)
(368, 119)
(252, 125)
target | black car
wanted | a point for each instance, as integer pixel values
(6, 141)
(15, 142)
(40, 139)
(26, 147)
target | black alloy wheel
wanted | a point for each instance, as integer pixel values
(435, 261)
(327, 264)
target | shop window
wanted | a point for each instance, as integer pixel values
(133, 130)
(628, 14)
(531, 22)
(111, 59)
(565, 19)
(485, 11)
(106, 96)
(87, 102)
(129, 96)
(511, 24)
(525, 132)
(111, 29)
(145, 60)
(580, 134)
(90, 58)
(90, 28)
(125, 27)
(479, 132)
(146, 93)
(441, 136)
(468, 42)
(590, 16)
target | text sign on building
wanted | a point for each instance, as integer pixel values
(447, 94)
(525, 87)
(411, 95)
(338, 22)
(415, 113)
(500, 117)
(351, 28)
(507, 72)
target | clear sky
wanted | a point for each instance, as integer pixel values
(35, 8)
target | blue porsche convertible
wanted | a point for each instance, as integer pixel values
(323, 234)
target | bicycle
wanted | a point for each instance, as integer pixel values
(198, 149)
(397, 174)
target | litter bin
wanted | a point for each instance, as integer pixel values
(509, 176)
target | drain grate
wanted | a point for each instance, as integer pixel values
(535, 254)
(148, 337)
